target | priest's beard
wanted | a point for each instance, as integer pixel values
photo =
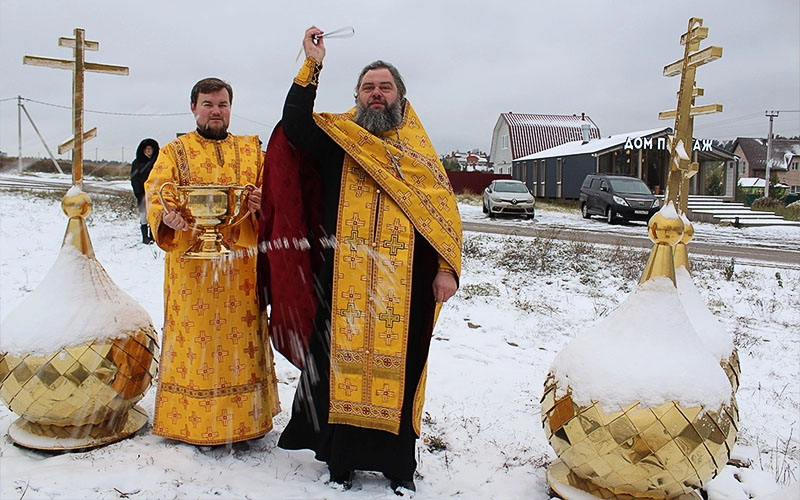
(215, 133)
(378, 121)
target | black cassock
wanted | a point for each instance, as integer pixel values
(346, 447)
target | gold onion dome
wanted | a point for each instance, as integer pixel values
(707, 326)
(665, 229)
(665, 226)
(637, 407)
(681, 257)
(77, 353)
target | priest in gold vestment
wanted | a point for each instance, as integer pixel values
(392, 255)
(216, 377)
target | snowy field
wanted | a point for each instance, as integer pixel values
(550, 217)
(521, 301)
(556, 218)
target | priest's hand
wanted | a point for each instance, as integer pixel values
(254, 200)
(315, 49)
(444, 286)
(173, 219)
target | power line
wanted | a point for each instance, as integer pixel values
(742, 124)
(252, 121)
(116, 113)
(103, 112)
(734, 119)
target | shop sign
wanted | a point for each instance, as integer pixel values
(661, 144)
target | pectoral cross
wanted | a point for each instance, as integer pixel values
(396, 164)
(78, 65)
(394, 158)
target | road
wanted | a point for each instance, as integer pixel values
(100, 187)
(789, 258)
(742, 253)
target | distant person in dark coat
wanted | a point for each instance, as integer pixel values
(146, 155)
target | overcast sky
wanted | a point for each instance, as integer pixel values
(464, 63)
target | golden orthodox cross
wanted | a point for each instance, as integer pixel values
(681, 168)
(79, 66)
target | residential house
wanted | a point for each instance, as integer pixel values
(784, 159)
(559, 172)
(471, 161)
(516, 135)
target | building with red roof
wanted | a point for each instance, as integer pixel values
(519, 134)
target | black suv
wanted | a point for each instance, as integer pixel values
(617, 197)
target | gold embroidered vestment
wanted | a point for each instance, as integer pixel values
(371, 297)
(216, 377)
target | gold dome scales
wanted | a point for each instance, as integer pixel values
(635, 449)
(657, 441)
(78, 353)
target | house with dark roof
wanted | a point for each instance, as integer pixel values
(517, 134)
(559, 172)
(784, 159)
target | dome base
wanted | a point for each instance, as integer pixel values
(64, 438)
(569, 486)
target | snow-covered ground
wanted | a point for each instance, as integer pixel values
(784, 237)
(547, 216)
(521, 301)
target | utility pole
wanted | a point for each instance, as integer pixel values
(41, 138)
(19, 133)
(771, 115)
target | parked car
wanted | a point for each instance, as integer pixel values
(509, 198)
(617, 198)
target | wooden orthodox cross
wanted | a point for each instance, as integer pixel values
(681, 168)
(78, 65)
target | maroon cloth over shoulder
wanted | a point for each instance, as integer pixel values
(289, 245)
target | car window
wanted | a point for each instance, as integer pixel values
(595, 183)
(630, 186)
(511, 187)
(604, 184)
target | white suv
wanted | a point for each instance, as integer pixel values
(508, 197)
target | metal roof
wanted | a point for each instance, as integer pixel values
(596, 145)
(531, 133)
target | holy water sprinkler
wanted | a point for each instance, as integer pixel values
(345, 32)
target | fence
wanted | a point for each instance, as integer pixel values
(474, 182)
